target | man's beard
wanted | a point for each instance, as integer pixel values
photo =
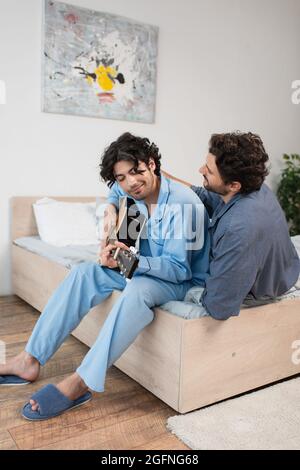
(142, 195)
(146, 190)
(219, 191)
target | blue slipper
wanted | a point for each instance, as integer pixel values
(51, 403)
(13, 380)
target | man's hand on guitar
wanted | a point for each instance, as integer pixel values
(107, 255)
(113, 253)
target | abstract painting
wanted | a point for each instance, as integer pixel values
(98, 64)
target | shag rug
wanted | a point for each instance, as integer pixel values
(266, 419)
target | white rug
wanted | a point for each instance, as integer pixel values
(266, 419)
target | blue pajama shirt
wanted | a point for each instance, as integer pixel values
(174, 257)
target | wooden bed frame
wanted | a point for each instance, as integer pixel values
(186, 363)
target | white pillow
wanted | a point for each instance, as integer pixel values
(66, 223)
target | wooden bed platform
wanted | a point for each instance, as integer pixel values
(186, 363)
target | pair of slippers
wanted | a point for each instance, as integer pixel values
(50, 400)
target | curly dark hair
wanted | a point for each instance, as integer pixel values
(240, 157)
(129, 148)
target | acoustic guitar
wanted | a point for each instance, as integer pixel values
(129, 229)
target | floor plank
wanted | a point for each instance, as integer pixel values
(6, 441)
(125, 416)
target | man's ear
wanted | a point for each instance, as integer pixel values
(235, 186)
(151, 164)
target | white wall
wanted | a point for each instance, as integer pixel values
(222, 65)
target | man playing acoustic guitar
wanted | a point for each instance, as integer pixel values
(174, 256)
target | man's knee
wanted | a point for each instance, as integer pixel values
(91, 271)
(92, 274)
(85, 268)
(141, 289)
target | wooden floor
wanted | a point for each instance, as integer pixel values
(125, 416)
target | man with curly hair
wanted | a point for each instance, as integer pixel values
(174, 257)
(252, 259)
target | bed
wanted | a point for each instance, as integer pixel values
(188, 364)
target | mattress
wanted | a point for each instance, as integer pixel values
(70, 256)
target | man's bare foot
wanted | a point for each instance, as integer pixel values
(23, 365)
(72, 387)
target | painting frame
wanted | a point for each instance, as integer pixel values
(98, 64)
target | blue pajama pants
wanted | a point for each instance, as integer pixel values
(87, 285)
